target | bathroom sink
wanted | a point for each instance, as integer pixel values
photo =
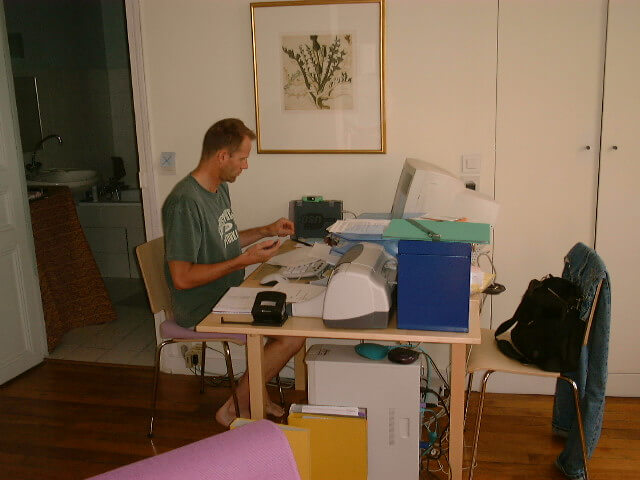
(76, 180)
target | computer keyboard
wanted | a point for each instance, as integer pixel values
(312, 269)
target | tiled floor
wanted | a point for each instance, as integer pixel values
(128, 340)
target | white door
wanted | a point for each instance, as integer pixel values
(550, 68)
(618, 229)
(23, 339)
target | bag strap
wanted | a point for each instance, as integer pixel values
(509, 350)
(504, 326)
(505, 346)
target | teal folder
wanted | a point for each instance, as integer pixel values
(466, 232)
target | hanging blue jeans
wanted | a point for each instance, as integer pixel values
(584, 267)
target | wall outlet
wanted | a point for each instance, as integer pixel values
(471, 169)
(472, 182)
(192, 355)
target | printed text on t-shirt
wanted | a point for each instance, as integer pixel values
(226, 227)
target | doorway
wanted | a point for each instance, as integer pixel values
(76, 56)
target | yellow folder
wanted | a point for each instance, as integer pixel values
(338, 445)
(299, 440)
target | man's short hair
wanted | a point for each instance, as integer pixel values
(227, 133)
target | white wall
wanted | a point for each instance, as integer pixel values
(440, 101)
(440, 91)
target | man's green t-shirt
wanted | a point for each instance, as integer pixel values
(199, 228)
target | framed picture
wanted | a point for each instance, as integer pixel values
(319, 76)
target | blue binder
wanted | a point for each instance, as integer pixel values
(433, 285)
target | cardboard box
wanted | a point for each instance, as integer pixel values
(300, 441)
(338, 445)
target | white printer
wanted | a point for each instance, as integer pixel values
(359, 290)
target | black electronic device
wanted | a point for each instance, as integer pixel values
(403, 355)
(311, 218)
(269, 308)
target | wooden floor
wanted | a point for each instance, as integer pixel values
(65, 420)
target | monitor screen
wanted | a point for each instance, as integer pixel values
(426, 189)
(402, 190)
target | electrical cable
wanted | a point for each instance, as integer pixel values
(495, 288)
(429, 359)
(441, 448)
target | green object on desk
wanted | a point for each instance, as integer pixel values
(465, 232)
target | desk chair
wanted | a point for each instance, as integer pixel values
(151, 259)
(486, 356)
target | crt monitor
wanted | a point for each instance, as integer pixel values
(425, 188)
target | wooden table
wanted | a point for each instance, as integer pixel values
(314, 328)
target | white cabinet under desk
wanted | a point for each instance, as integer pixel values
(113, 230)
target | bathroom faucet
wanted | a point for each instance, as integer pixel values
(35, 165)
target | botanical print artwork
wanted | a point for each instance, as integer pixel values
(318, 72)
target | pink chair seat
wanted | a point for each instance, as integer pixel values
(170, 329)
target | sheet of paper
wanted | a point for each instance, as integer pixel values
(241, 299)
(303, 256)
(238, 300)
(360, 226)
(293, 258)
(299, 292)
(320, 251)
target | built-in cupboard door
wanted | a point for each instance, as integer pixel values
(22, 342)
(549, 93)
(618, 228)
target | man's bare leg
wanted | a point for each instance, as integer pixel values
(277, 353)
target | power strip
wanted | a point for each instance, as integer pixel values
(192, 355)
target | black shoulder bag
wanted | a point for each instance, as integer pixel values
(547, 330)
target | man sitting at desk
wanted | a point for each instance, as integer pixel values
(203, 246)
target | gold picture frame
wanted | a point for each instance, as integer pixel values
(319, 72)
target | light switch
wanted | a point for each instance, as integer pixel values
(471, 164)
(168, 162)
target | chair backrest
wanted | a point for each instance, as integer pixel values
(151, 259)
(584, 267)
(592, 312)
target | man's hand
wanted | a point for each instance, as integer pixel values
(281, 227)
(261, 252)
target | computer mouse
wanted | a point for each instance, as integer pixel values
(271, 279)
(403, 355)
(372, 351)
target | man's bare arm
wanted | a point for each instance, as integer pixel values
(187, 275)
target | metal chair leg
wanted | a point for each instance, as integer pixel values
(576, 399)
(466, 401)
(202, 364)
(155, 383)
(279, 383)
(476, 434)
(232, 380)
